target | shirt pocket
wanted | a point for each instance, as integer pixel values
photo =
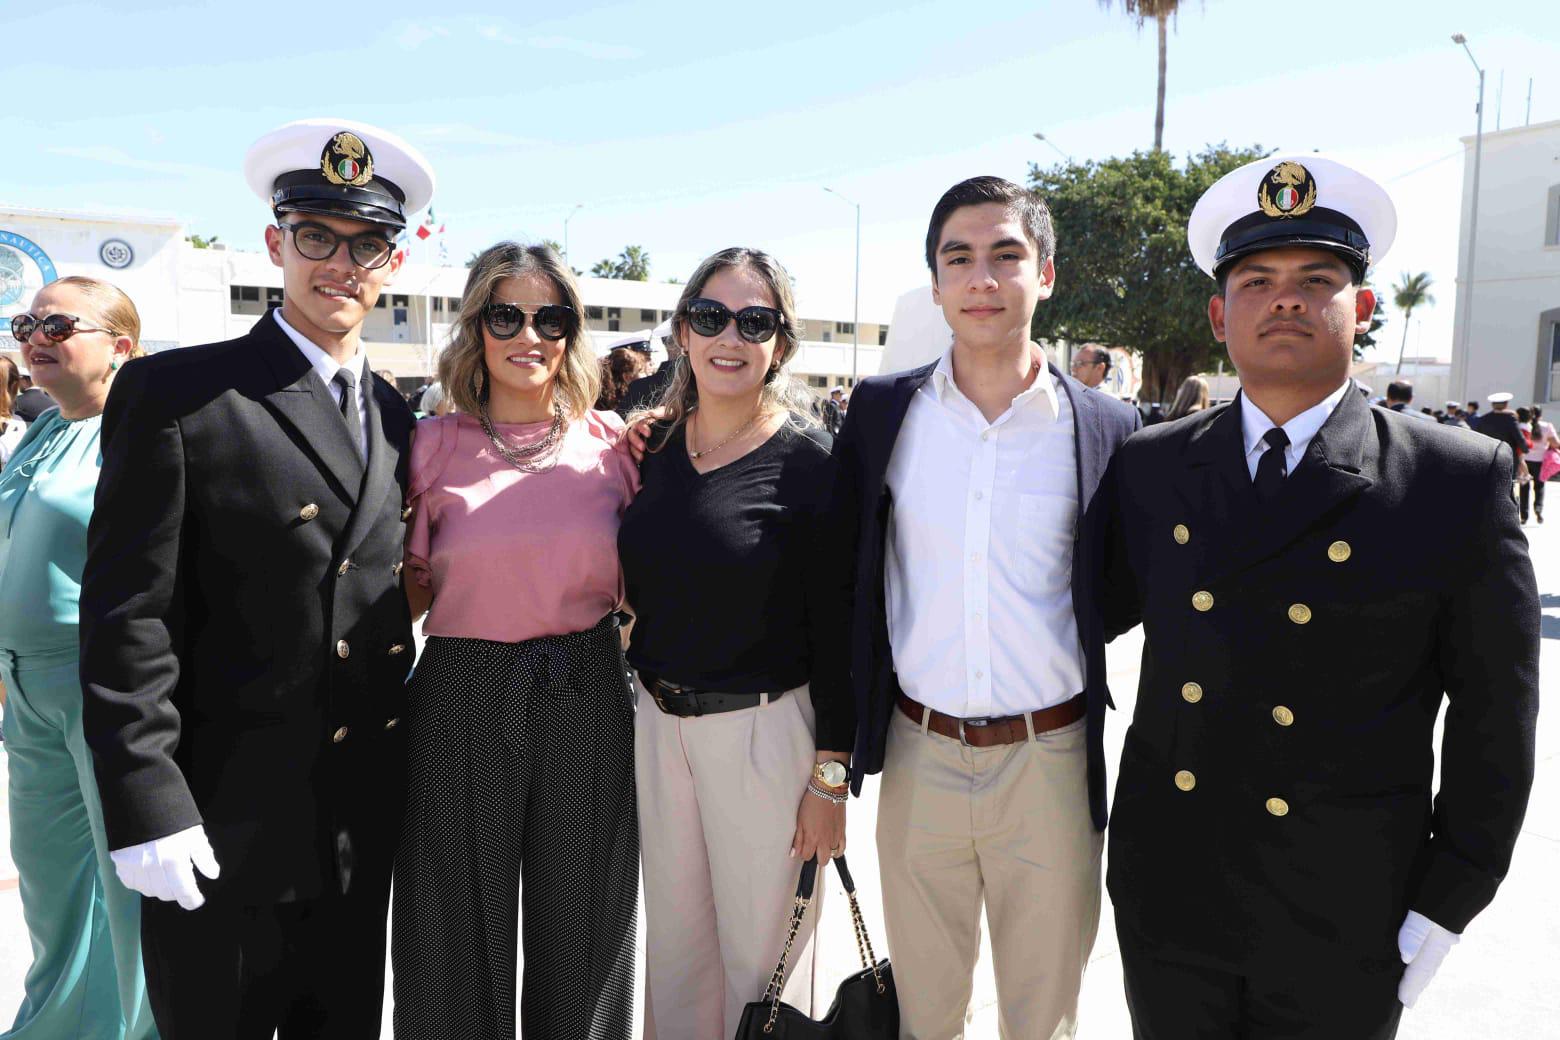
(1043, 540)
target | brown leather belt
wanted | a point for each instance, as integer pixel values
(996, 731)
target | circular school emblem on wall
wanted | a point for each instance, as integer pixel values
(24, 269)
(116, 253)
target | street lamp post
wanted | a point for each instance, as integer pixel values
(855, 322)
(1473, 223)
(1038, 136)
(577, 207)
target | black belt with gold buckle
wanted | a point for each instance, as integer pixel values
(691, 702)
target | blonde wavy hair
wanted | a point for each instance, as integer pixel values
(462, 368)
(115, 311)
(781, 392)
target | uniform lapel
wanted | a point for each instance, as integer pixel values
(1218, 489)
(1330, 474)
(302, 400)
(382, 458)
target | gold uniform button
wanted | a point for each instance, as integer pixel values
(1181, 534)
(1299, 613)
(309, 512)
(346, 565)
(1185, 780)
(392, 723)
(406, 514)
(1278, 807)
(1337, 552)
(342, 649)
(397, 648)
(1202, 600)
(1283, 716)
(1191, 693)
(338, 736)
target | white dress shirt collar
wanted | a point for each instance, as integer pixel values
(323, 363)
(1254, 422)
(1044, 386)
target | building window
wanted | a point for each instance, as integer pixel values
(645, 315)
(438, 305)
(379, 302)
(828, 337)
(1552, 218)
(613, 324)
(845, 328)
(665, 315)
(818, 381)
(1554, 363)
(453, 304)
(614, 312)
(593, 313)
(273, 298)
(400, 300)
(882, 335)
(249, 293)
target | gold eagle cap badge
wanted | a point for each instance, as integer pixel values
(1288, 190)
(346, 160)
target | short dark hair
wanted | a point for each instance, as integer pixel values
(1101, 356)
(1400, 390)
(1538, 413)
(1029, 207)
(1474, 405)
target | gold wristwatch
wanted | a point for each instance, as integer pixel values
(831, 774)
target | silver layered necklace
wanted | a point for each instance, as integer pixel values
(536, 457)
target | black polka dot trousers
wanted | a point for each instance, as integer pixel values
(520, 817)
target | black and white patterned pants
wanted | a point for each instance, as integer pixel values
(521, 781)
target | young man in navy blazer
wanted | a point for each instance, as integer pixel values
(978, 659)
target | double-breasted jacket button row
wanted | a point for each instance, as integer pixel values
(344, 649)
(341, 733)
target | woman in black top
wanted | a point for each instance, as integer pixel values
(734, 567)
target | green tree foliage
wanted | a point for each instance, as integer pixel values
(1412, 290)
(200, 241)
(1124, 274)
(632, 265)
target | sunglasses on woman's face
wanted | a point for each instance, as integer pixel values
(56, 327)
(754, 324)
(505, 320)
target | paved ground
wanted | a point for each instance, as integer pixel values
(1499, 982)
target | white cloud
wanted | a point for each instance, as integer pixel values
(414, 34)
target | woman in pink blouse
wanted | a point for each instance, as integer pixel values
(522, 732)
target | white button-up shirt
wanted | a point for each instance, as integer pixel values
(1254, 423)
(326, 368)
(978, 572)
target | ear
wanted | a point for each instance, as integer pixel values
(1364, 310)
(1216, 317)
(122, 348)
(936, 296)
(273, 243)
(396, 260)
(1047, 278)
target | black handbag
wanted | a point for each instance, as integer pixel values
(866, 1007)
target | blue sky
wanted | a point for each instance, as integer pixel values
(684, 128)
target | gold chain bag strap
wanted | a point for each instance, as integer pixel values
(866, 1006)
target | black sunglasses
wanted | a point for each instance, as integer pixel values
(554, 321)
(754, 324)
(318, 242)
(56, 327)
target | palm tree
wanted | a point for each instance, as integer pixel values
(1161, 11)
(1410, 292)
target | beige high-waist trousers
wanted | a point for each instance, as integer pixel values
(718, 797)
(1008, 826)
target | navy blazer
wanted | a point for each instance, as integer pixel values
(864, 447)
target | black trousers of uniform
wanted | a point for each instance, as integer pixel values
(1533, 488)
(1173, 1000)
(522, 791)
(299, 971)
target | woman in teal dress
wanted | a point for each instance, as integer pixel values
(85, 982)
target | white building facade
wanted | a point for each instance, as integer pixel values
(1507, 329)
(187, 296)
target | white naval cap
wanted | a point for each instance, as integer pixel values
(1500, 398)
(338, 167)
(1301, 199)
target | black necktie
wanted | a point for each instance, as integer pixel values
(349, 409)
(1273, 466)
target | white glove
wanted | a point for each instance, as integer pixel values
(164, 868)
(1423, 945)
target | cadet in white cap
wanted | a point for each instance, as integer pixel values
(245, 637)
(1275, 856)
(1500, 423)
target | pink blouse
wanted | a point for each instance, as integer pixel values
(510, 555)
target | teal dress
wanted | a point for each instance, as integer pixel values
(86, 979)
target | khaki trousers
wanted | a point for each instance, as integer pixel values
(1008, 826)
(718, 797)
